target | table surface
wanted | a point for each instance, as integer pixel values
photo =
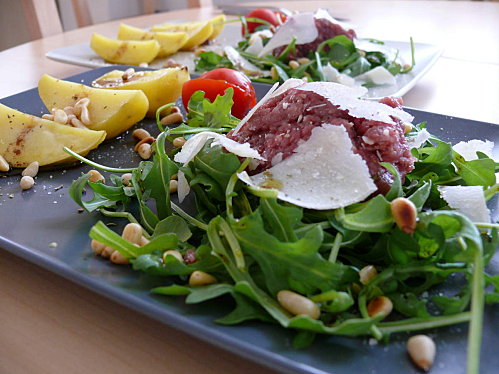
(51, 325)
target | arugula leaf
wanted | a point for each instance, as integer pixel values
(203, 113)
(207, 61)
(173, 224)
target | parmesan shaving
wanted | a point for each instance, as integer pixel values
(467, 200)
(323, 173)
(418, 140)
(347, 98)
(240, 63)
(469, 149)
(378, 75)
(300, 26)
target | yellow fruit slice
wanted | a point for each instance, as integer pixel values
(198, 32)
(25, 138)
(160, 86)
(111, 110)
(218, 26)
(124, 52)
(169, 42)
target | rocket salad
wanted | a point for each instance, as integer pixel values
(254, 246)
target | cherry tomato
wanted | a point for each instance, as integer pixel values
(263, 14)
(215, 83)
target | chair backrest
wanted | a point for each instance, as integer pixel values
(43, 19)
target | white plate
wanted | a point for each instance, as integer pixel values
(426, 55)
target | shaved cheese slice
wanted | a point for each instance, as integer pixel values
(347, 98)
(324, 13)
(192, 147)
(240, 63)
(418, 140)
(331, 74)
(468, 200)
(378, 75)
(255, 47)
(323, 173)
(469, 149)
(300, 26)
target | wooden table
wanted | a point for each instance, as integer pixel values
(50, 325)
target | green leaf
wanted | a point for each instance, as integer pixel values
(175, 225)
(420, 196)
(280, 220)
(296, 265)
(409, 304)
(454, 304)
(207, 61)
(203, 113)
(372, 216)
(396, 188)
(480, 172)
(76, 192)
(246, 309)
(173, 290)
(204, 293)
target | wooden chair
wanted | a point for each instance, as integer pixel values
(42, 16)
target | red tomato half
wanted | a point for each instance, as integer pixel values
(215, 83)
(263, 14)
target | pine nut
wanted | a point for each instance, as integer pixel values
(145, 151)
(405, 214)
(172, 118)
(118, 258)
(75, 122)
(85, 116)
(143, 241)
(303, 60)
(126, 179)
(4, 165)
(198, 51)
(26, 182)
(380, 305)
(107, 252)
(31, 170)
(293, 64)
(174, 177)
(149, 140)
(128, 74)
(140, 134)
(297, 304)
(84, 101)
(97, 247)
(174, 253)
(422, 350)
(174, 109)
(60, 116)
(49, 117)
(407, 127)
(179, 142)
(132, 232)
(273, 73)
(367, 273)
(143, 65)
(200, 278)
(173, 186)
(95, 176)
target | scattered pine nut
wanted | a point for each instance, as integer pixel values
(31, 170)
(95, 176)
(179, 142)
(143, 241)
(173, 186)
(293, 64)
(107, 252)
(174, 177)
(148, 140)
(172, 118)
(97, 247)
(367, 273)
(60, 116)
(49, 117)
(26, 182)
(4, 165)
(297, 304)
(303, 60)
(69, 110)
(200, 278)
(405, 214)
(126, 179)
(85, 116)
(128, 74)
(174, 253)
(75, 122)
(407, 127)
(140, 134)
(380, 305)
(132, 232)
(118, 258)
(144, 65)
(422, 350)
(273, 73)
(145, 151)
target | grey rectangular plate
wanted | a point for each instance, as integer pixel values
(31, 220)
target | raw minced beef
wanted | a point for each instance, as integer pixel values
(281, 123)
(326, 30)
